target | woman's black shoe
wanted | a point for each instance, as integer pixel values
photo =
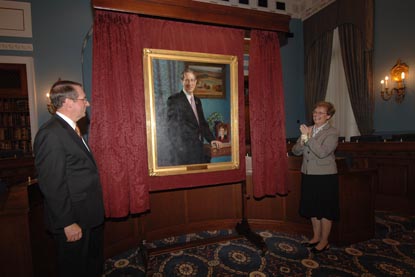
(316, 251)
(309, 245)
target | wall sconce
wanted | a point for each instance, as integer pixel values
(51, 108)
(398, 73)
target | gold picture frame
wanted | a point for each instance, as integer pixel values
(162, 73)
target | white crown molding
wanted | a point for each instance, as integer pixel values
(16, 46)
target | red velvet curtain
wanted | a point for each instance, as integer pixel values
(267, 118)
(118, 123)
(116, 113)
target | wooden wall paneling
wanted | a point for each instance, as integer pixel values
(357, 205)
(16, 251)
(393, 177)
(15, 171)
(395, 184)
(15, 247)
(168, 208)
(44, 253)
(214, 203)
(122, 234)
(395, 163)
(189, 210)
(267, 208)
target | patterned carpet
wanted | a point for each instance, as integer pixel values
(390, 253)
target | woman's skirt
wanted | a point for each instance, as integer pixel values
(320, 196)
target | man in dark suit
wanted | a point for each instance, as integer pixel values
(69, 181)
(187, 126)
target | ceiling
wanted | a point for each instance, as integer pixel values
(300, 9)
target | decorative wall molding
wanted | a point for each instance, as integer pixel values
(201, 12)
(301, 9)
(16, 46)
(313, 8)
(264, 5)
(15, 19)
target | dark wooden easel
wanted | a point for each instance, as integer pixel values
(243, 227)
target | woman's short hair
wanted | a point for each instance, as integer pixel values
(329, 107)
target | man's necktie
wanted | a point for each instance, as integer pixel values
(78, 131)
(193, 104)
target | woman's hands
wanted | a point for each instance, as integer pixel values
(305, 133)
(305, 130)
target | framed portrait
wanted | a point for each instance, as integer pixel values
(188, 95)
(210, 79)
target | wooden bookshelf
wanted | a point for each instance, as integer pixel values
(15, 133)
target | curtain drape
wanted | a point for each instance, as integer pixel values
(338, 94)
(347, 13)
(166, 78)
(357, 66)
(116, 141)
(118, 122)
(267, 118)
(317, 68)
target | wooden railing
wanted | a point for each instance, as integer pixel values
(395, 166)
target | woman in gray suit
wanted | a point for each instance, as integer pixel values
(319, 186)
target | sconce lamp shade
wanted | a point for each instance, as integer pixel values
(398, 69)
(398, 74)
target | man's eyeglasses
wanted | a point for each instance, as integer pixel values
(319, 113)
(83, 99)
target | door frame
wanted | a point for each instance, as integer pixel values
(31, 88)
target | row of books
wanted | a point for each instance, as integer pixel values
(13, 104)
(22, 145)
(14, 134)
(14, 119)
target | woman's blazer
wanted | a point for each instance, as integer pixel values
(318, 152)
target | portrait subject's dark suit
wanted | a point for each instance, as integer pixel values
(185, 133)
(68, 177)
